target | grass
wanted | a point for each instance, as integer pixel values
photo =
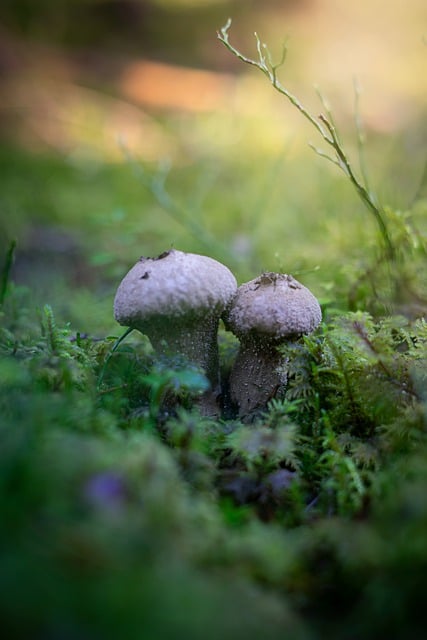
(121, 519)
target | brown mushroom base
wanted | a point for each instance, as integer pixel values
(257, 377)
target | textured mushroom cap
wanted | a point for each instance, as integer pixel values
(274, 306)
(173, 285)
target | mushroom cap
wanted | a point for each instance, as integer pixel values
(273, 306)
(173, 285)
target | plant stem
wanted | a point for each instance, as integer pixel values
(324, 125)
(5, 274)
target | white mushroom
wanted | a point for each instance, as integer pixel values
(177, 299)
(266, 312)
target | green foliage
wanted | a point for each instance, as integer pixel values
(115, 489)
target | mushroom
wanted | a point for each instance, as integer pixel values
(265, 313)
(177, 299)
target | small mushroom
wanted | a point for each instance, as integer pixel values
(265, 313)
(177, 299)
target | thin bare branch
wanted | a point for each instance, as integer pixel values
(323, 154)
(324, 125)
(260, 64)
(361, 136)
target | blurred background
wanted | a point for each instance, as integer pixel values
(127, 128)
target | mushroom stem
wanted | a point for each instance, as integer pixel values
(256, 377)
(195, 342)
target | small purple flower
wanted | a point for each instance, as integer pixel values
(105, 490)
(280, 481)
